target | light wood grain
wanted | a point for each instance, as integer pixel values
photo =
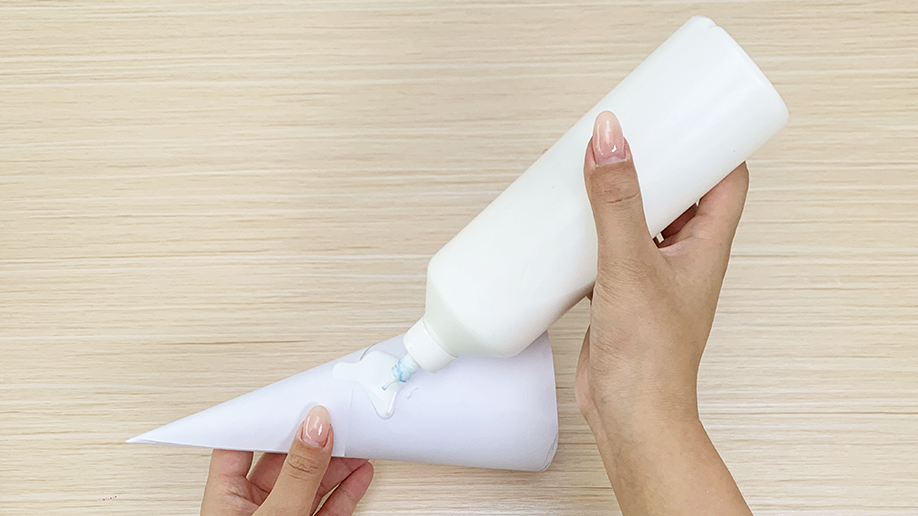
(197, 199)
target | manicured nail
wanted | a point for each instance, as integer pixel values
(608, 140)
(314, 430)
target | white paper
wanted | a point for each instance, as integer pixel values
(482, 412)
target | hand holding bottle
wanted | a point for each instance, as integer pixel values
(652, 310)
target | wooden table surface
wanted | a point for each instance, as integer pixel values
(198, 199)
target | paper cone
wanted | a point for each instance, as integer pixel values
(482, 412)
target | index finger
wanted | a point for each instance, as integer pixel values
(719, 211)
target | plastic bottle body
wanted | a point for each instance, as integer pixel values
(692, 111)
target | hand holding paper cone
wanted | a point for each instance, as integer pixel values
(292, 484)
(484, 412)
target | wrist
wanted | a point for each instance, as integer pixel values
(646, 436)
(620, 402)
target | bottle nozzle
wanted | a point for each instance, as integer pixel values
(403, 370)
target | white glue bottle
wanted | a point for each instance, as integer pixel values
(691, 112)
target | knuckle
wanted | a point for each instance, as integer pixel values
(614, 184)
(349, 496)
(617, 195)
(304, 467)
(342, 503)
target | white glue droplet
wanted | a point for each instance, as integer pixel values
(372, 372)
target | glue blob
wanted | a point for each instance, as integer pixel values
(372, 373)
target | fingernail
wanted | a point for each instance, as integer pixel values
(608, 140)
(314, 430)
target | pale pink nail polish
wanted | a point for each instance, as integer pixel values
(314, 430)
(608, 140)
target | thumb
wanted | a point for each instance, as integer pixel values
(299, 478)
(615, 195)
